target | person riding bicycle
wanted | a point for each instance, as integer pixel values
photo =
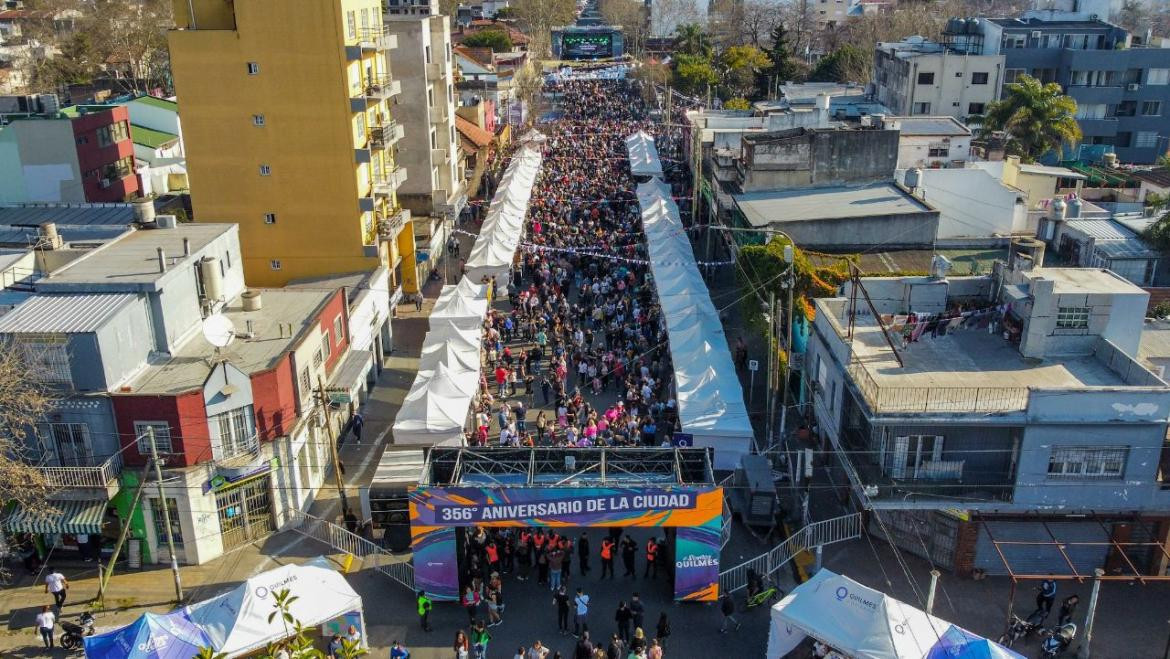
(755, 583)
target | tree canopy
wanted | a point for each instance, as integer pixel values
(742, 65)
(846, 64)
(497, 40)
(1036, 118)
(784, 65)
(692, 73)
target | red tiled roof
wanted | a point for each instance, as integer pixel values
(14, 14)
(477, 135)
(481, 56)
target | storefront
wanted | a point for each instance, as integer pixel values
(243, 504)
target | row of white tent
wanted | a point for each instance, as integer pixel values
(710, 399)
(435, 409)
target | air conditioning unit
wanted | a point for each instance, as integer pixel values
(1132, 87)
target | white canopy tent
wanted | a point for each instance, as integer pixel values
(435, 409)
(463, 310)
(452, 353)
(495, 249)
(237, 621)
(710, 398)
(643, 155)
(866, 623)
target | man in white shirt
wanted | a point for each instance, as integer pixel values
(57, 584)
(45, 622)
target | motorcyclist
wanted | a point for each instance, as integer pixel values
(755, 583)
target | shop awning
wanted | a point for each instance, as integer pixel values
(66, 517)
(350, 373)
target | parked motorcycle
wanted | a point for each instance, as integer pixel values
(1021, 628)
(74, 635)
(1057, 640)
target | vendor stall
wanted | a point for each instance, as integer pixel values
(152, 636)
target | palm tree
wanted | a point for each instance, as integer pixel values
(691, 40)
(1037, 118)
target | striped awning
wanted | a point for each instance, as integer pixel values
(66, 517)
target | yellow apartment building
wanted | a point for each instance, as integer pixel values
(289, 133)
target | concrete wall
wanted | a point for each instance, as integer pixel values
(905, 230)
(38, 162)
(156, 118)
(973, 204)
(914, 150)
(802, 158)
(1117, 316)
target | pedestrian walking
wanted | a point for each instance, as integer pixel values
(579, 620)
(424, 611)
(583, 553)
(561, 601)
(637, 610)
(58, 586)
(556, 560)
(470, 601)
(616, 649)
(727, 608)
(359, 422)
(46, 620)
(629, 552)
(623, 616)
(493, 607)
(418, 301)
(461, 646)
(1047, 596)
(479, 640)
(651, 558)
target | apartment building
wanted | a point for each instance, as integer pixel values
(917, 76)
(970, 410)
(436, 192)
(118, 331)
(81, 153)
(1121, 83)
(288, 131)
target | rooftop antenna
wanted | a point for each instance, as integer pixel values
(219, 332)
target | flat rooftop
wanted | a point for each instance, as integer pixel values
(1086, 280)
(190, 365)
(946, 126)
(803, 204)
(1155, 340)
(133, 259)
(34, 215)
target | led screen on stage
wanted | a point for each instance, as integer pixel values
(586, 46)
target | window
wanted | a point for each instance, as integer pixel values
(1091, 110)
(69, 442)
(236, 430)
(979, 78)
(361, 126)
(274, 264)
(337, 329)
(1151, 108)
(938, 151)
(1072, 318)
(113, 133)
(306, 381)
(327, 344)
(253, 68)
(912, 455)
(430, 97)
(427, 53)
(351, 24)
(1087, 462)
(47, 355)
(1145, 139)
(958, 74)
(162, 436)
(434, 140)
(921, 108)
(265, 170)
(257, 120)
(270, 218)
(1010, 75)
(1158, 77)
(160, 523)
(318, 358)
(976, 108)
(926, 78)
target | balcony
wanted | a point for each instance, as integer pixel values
(387, 181)
(372, 40)
(436, 70)
(97, 475)
(440, 156)
(391, 224)
(386, 134)
(376, 89)
(438, 114)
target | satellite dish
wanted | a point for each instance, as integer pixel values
(218, 330)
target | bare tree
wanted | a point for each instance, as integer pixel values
(631, 16)
(538, 17)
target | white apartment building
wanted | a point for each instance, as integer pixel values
(921, 77)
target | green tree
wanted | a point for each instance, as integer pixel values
(690, 39)
(737, 103)
(784, 65)
(497, 40)
(742, 66)
(846, 64)
(1036, 118)
(692, 73)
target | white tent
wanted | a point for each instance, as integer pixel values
(464, 310)
(451, 353)
(866, 623)
(710, 398)
(237, 621)
(435, 409)
(495, 248)
(468, 288)
(643, 155)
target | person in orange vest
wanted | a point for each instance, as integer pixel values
(493, 556)
(607, 548)
(651, 558)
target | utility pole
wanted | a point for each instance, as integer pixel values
(104, 579)
(771, 371)
(789, 284)
(162, 501)
(1083, 650)
(669, 93)
(333, 446)
(934, 575)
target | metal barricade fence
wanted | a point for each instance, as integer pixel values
(342, 540)
(824, 532)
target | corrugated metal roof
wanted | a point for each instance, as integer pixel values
(63, 314)
(1112, 239)
(803, 204)
(28, 236)
(78, 214)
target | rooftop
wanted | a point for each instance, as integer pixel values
(87, 214)
(808, 91)
(1048, 170)
(64, 314)
(150, 137)
(947, 126)
(803, 204)
(1155, 340)
(1037, 24)
(1086, 280)
(1159, 177)
(157, 102)
(1113, 239)
(190, 365)
(477, 135)
(133, 259)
